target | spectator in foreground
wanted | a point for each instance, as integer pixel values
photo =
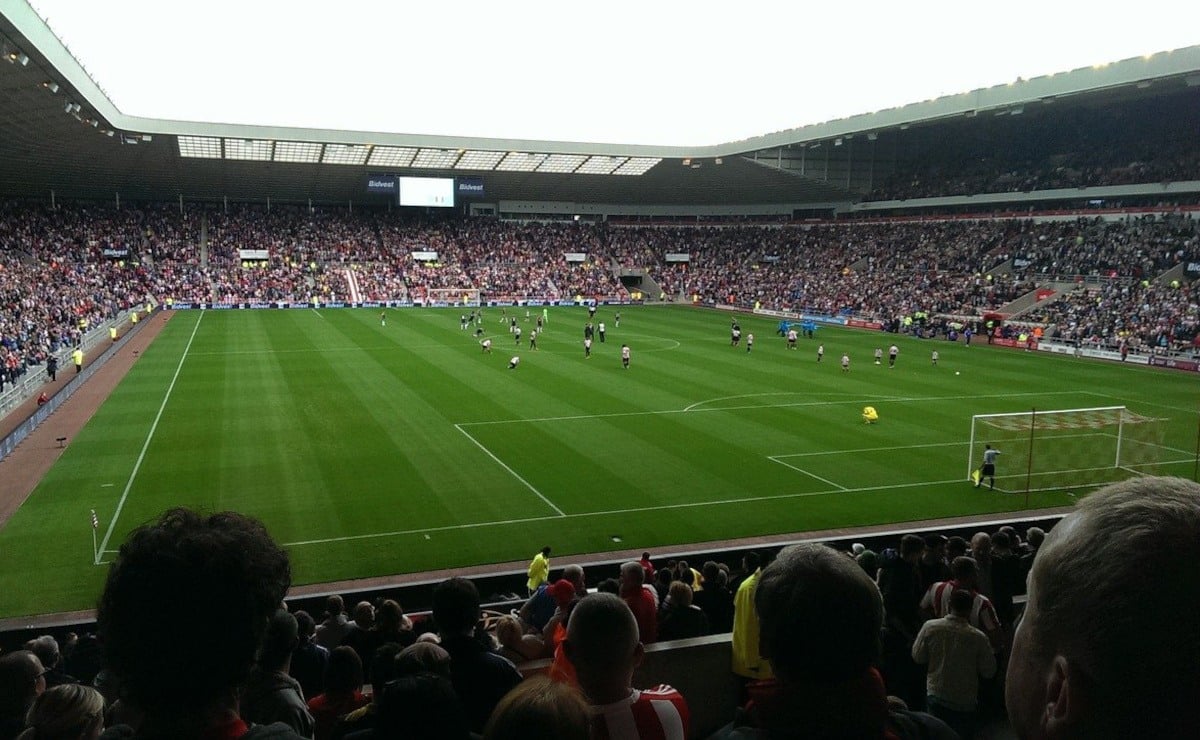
(748, 661)
(336, 625)
(187, 575)
(820, 618)
(602, 643)
(480, 676)
(1109, 643)
(46, 648)
(640, 601)
(65, 712)
(958, 655)
(22, 680)
(540, 709)
(343, 692)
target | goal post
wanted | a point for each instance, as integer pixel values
(1066, 448)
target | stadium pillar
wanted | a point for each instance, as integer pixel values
(118, 200)
(225, 203)
(181, 204)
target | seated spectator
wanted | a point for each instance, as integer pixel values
(391, 625)
(516, 645)
(46, 648)
(681, 619)
(537, 610)
(820, 619)
(360, 637)
(343, 692)
(384, 668)
(335, 626)
(309, 658)
(479, 675)
(602, 643)
(22, 680)
(270, 694)
(540, 709)
(175, 581)
(65, 712)
(715, 600)
(640, 602)
(1108, 646)
(958, 655)
(422, 706)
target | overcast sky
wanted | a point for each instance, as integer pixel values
(646, 72)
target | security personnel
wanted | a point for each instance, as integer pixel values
(77, 358)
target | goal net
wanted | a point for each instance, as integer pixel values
(1066, 448)
(453, 296)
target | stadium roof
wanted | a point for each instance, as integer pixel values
(59, 132)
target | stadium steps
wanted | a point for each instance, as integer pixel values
(1029, 301)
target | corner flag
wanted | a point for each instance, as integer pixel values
(975, 476)
(95, 520)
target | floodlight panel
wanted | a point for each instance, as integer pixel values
(253, 149)
(600, 165)
(442, 159)
(637, 166)
(202, 147)
(478, 160)
(297, 151)
(345, 154)
(521, 162)
(392, 156)
(562, 162)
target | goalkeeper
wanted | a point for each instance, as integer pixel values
(988, 469)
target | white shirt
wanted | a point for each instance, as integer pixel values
(958, 655)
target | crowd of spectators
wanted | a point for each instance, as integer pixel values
(1149, 141)
(66, 269)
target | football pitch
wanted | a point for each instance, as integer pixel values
(371, 450)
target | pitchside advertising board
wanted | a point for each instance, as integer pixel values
(428, 192)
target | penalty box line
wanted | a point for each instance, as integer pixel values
(511, 472)
(618, 512)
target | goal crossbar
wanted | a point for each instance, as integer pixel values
(1033, 444)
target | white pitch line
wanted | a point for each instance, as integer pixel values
(870, 449)
(690, 410)
(317, 312)
(810, 475)
(615, 512)
(511, 472)
(150, 436)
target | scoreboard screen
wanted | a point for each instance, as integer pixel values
(435, 192)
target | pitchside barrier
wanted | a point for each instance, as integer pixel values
(98, 337)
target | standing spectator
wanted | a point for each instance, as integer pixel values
(270, 694)
(820, 618)
(539, 570)
(900, 584)
(1109, 644)
(936, 601)
(640, 602)
(1007, 577)
(479, 675)
(602, 643)
(748, 662)
(360, 636)
(933, 565)
(648, 566)
(958, 655)
(165, 582)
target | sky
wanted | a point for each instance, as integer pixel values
(648, 72)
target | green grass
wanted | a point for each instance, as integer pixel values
(373, 450)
